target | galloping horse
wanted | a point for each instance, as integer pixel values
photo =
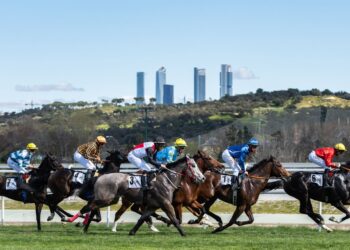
(109, 188)
(61, 185)
(301, 187)
(186, 195)
(38, 181)
(247, 195)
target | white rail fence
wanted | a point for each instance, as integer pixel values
(278, 194)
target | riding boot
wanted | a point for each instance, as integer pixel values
(144, 182)
(89, 174)
(326, 180)
(234, 182)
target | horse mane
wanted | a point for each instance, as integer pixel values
(199, 154)
(262, 162)
(175, 163)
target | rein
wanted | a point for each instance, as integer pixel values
(345, 168)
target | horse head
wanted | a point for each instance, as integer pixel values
(277, 169)
(207, 163)
(117, 157)
(272, 165)
(188, 167)
(49, 163)
(113, 162)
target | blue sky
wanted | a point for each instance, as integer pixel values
(88, 50)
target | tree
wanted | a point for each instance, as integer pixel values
(152, 100)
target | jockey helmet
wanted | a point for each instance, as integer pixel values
(159, 140)
(101, 139)
(32, 146)
(180, 142)
(253, 142)
(340, 147)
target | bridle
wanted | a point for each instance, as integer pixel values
(182, 173)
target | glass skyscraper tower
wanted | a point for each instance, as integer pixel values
(199, 85)
(168, 94)
(225, 80)
(160, 81)
(140, 82)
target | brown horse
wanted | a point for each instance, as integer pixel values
(61, 185)
(38, 182)
(247, 195)
(186, 195)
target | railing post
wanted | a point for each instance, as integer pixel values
(108, 215)
(2, 210)
(320, 208)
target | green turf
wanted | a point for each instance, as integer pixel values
(57, 236)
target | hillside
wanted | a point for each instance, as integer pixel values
(281, 119)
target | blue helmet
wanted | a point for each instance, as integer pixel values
(253, 142)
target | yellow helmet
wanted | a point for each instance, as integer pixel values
(180, 142)
(101, 139)
(340, 147)
(31, 146)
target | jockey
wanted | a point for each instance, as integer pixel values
(171, 153)
(20, 162)
(89, 153)
(235, 157)
(146, 150)
(323, 157)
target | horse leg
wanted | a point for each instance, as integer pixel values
(88, 219)
(137, 209)
(170, 212)
(249, 213)
(178, 212)
(52, 213)
(142, 219)
(239, 210)
(125, 205)
(38, 207)
(317, 218)
(62, 211)
(342, 208)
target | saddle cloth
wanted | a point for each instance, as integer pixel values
(134, 181)
(78, 177)
(226, 180)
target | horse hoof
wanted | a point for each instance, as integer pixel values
(192, 221)
(78, 224)
(327, 228)
(334, 219)
(216, 230)
(153, 228)
(131, 233)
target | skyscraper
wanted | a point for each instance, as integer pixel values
(168, 94)
(225, 80)
(160, 81)
(140, 82)
(199, 85)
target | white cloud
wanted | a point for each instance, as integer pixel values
(47, 87)
(243, 73)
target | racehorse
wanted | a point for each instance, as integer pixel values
(62, 186)
(109, 188)
(186, 195)
(247, 195)
(302, 187)
(38, 182)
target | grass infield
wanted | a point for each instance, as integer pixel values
(58, 236)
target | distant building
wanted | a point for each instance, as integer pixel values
(168, 97)
(140, 82)
(160, 81)
(225, 80)
(199, 85)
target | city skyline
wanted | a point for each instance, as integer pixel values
(89, 51)
(199, 85)
(226, 80)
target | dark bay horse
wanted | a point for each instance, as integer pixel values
(301, 187)
(248, 193)
(62, 186)
(109, 188)
(38, 182)
(186, 195)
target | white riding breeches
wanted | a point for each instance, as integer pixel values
(140, 163)
(14, 165)
(83, 161)
(229, 160)
(317, 160)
